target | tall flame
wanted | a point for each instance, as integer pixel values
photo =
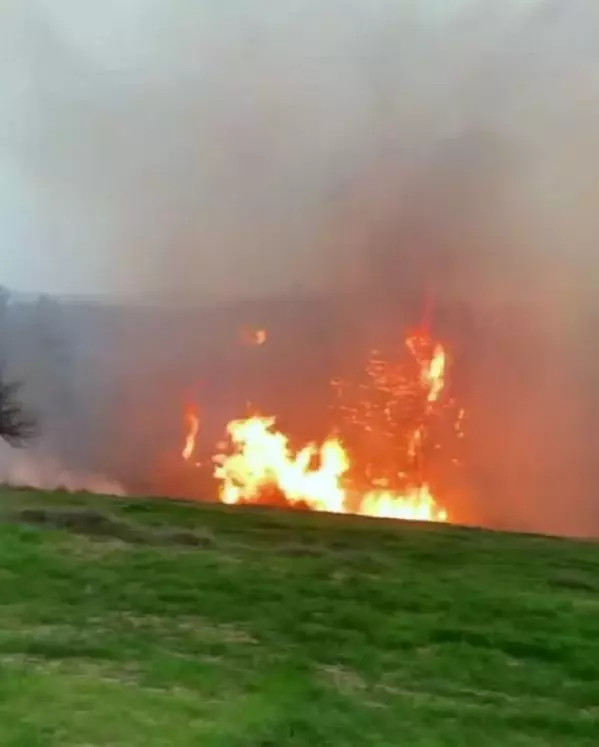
(193, 427)
(432, 366)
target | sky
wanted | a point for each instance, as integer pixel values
(216, 150)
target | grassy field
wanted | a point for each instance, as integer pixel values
(137, 623)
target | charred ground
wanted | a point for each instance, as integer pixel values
(163, 623)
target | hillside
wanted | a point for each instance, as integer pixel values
(157, 623)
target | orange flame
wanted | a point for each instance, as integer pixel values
(193, 423)
(257, 463)
(416, 504)
(432, 379)
(260, 337)
(262, 461)
(433, 374)
(432, 366)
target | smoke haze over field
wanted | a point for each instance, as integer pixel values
(219, 151)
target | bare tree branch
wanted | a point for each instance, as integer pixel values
(17, 425)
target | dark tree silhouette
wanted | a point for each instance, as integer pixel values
(17, 425)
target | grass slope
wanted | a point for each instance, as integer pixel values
(138, 623)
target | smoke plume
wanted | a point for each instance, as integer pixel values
(213, 152)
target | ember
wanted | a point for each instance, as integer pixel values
(253, 337)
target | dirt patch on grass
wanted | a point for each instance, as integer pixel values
(199, 627)
(343, 679)
(92, 523)
(80, 521)
(124, 673)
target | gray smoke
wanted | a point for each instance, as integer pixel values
(217, 151)
(208, 150)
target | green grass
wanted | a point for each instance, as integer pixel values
(169, 624)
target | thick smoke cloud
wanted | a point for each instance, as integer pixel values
(217, 151)
(207, 149)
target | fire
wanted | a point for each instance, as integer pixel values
(434, 373)
(432, 367)
(193, 426)
(262, 462)
(417, 504)
(375, 464)
(260, 337)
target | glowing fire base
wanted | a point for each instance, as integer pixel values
(312, 478)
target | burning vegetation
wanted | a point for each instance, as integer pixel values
(389, 424)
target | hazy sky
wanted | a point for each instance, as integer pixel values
(199, 148)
